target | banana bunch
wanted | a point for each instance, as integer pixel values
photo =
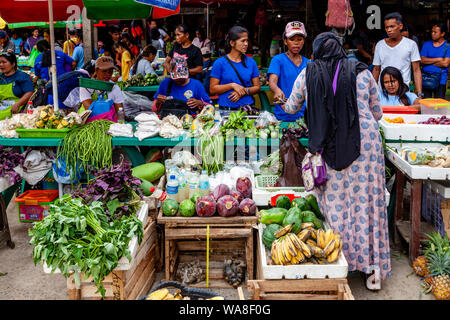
(309, 246)
(164, 294)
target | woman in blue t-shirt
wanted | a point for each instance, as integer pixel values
(43, 61)
(285, 68)
(235, 77)
(394, 91)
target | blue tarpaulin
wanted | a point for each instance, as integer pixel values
(165, 4)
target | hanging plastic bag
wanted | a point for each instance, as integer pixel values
(134, 104)
(32, 59)
(291, 155)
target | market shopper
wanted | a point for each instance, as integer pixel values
(31, 41)
(435, 56)
(104, 67)
(134, 49)
(126, 60)
(43, 61)
(235, 77)
(285, 68)
(200, 40)
(16, 87)
(70, 45)
(394, 91)
(18, 43)
(186, 94)
(143, 63)
(157, 42)
(397, 51)
(164, 36)
(207, 67)
(6, 45)
(184, 48)
(342, 118)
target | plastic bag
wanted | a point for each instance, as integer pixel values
(291, 155)
(417, 156)
(32, 58)
(266, 119)
(134, 104)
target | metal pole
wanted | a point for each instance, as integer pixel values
(53, 55)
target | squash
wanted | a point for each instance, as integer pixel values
(294, 215)
(268, 236)
(274, 215)
(149, 171)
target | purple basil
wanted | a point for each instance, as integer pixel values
(8, 161)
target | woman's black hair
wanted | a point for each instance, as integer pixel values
(402, 87)
(128, 36)
(234, 34)
(90, 67)
(185, 29)
(145, 53)
(155, 34)
(44, 47)
(441, 26)
(122, 44)
(11, 57)
(202, 33)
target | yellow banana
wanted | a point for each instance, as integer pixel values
(321, 239)
(333, 256)
(217, 298)
(338, 244)
(314, 234)
(300, 257)
(273, 253)
(283, 231)
(296, 241)
(286, 251)
(306, 250)
(308, 225)
(329, 235)
(317, 252)
(311, 242)
(321, 261)
(169, 297)
(158, 294)
(290, 245)
(329, 248)
(304, 235)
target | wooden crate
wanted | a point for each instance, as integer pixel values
(185, 241)
(127, 284)
(293, 289)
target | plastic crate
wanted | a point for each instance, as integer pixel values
(400, 109)
(42, 133)
(434, 106)
(33, 205)
(96, 84)
(262, 181)
(49, 182)
(431, 207)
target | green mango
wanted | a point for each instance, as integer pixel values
(274, 215)
(308, 216)
(302, 204)
(283, 202)
(268, 236)
(314, 206)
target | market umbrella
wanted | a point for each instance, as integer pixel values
(37, 10)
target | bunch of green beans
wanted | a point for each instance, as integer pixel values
(88, 145)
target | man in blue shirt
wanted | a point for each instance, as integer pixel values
(78, 54)
(64, 63)
(285, 68)
(18, 42)
(435, 56)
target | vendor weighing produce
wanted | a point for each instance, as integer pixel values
(16, 86)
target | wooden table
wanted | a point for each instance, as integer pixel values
(230, 236)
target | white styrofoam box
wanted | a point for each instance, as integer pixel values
(123, 263)
(338, 269)
(411, 132)
(441, 187)
(417, 172)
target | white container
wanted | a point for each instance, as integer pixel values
(434, 106)
(338, 269)
(414, 171)
(172, 188)
(203, 184)
(414, 132)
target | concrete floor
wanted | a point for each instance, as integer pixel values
(20, 279)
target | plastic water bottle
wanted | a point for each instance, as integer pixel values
(172, 188)
(120, 115)
(30, 107)
(203, 185)
(187, 177)
(193, 184)
(181, 186)
(158, 194)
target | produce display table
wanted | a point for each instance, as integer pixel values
(412, 231)
(185, 241)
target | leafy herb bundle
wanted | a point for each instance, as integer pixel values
(116, 188)
(78, 237)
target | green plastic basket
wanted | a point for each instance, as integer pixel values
(262, 181)
(96, 84)
(42, 133)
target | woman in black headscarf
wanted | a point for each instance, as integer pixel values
(342, 113)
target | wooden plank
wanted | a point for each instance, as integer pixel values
(118, 285)
(72, 290)
(203, 221)
(340, 293)
(348, 293)
(149, 261)
(224, 233)
(416, 209)
(88, 293)
(146, 248)
(146, 278)
(404, 228)
(197, 245)
(299, 296)
(221, 284)
(240, 293)
(400, 182)
(299, 285)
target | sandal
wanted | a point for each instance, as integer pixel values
(373, 281)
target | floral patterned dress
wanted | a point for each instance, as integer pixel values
(353, 200)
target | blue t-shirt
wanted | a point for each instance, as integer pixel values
(395, 100)
(18, 43)
(287, 73)
(62, 59)
(225, 73)
(21, 83)
(78, 56)
(194, 89)
(430, 51)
